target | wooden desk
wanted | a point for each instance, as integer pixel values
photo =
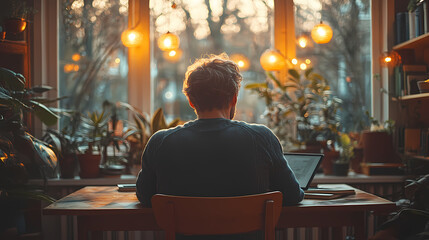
(104, 208)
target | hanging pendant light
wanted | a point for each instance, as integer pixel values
(131, 37)
(241, 60)
(272, 60)
(321, 33)
(168, 41)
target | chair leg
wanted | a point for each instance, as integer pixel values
(170, 233)
(269, 220)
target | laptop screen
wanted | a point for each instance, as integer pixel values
(304, 166)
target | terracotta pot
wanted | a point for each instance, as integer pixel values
(340, 169)
(89, 165)
(377, 147)
(68, 166)
(328, 160)
(15, 25)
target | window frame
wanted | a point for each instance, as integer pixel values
(45, 59)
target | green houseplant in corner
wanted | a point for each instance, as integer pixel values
(22, 156)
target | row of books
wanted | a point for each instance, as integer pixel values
(406, 78)
(414, 141)
(412, 24)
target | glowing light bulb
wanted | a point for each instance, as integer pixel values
(294, 61)
(117, 60)
(303, 66)
(168, 41)
(272, 60)
(131, 38)
(241, 60)
(307, 61)
(76, 57)
(388, 59)
(172, 53)
(321, 33)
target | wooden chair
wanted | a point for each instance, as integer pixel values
(217, 215)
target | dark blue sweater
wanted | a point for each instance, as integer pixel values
(215, 157)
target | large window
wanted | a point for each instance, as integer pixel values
(241, 28)
(346, 60)
(93, 62)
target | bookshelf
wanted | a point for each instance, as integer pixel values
(420, 42)
(409, 109)
(421, 96)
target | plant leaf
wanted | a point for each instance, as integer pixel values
(174, 123)
(11, 80)
(44, 113)
(294, 74)
(256, 85)
(158, 121)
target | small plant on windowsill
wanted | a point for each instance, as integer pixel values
(142, 129)
(346, 147)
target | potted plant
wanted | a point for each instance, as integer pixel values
(66, 148)
(342, 164)
(93, 128)
(22, 155)
(19, 15)
(143, 128)
(305, 103)
(377, 142)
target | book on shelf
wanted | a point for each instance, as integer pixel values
(412, 83)
(412, 140)
(424, 142)
(412, 24)
(425, 16)
(402, 85)
(402, 27)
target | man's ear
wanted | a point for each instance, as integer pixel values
(234, 100)
(191, 104)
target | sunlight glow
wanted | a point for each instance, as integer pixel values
(294, 61)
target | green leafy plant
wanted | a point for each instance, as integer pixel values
(377, 126)
(346, 148)
(303, 101)
(22, 156)
(143, 128)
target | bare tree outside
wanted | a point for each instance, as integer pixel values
(210, 27)
(93, 61)
(346, 60)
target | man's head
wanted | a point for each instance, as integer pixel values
(212, 83)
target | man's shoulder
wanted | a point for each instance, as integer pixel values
(254, 127)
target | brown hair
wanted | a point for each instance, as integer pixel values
(212, 82)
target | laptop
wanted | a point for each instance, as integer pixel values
(304, 166)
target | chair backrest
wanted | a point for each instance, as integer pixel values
(217, 215)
